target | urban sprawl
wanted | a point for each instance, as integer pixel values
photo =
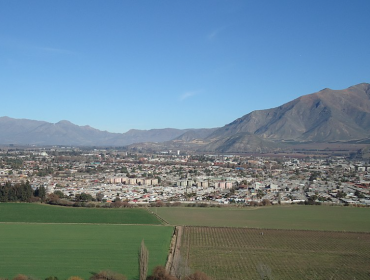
(175, 177)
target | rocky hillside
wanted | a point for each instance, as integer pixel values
(327, 115)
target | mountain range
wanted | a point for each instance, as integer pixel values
(324, 116)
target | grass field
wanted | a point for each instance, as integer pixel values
(41, 213)
(239, 253)
(276, 217)
(43, 240)
(63, 250)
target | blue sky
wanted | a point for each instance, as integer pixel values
(117, 65)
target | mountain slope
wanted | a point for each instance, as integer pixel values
(30, 132)
(328, 115)
(241, 142)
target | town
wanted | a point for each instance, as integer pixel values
(174, 177)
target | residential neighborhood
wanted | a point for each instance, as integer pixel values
(177, 177)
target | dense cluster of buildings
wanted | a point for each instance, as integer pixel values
(144, 178)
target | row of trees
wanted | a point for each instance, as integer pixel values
(21, 192)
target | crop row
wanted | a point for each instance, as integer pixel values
(241, 253)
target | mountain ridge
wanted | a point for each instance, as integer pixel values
(300, 118)
(64, 132)
(324, 116)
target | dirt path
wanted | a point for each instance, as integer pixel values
(174, 255)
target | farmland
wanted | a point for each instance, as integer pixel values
(290, 242)
(36, 213)
(239, 253)
(64, 250)
(43, 240)
(330, 218)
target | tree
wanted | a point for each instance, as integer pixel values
(99, 196)
(143, 261)
(52, 198)
(266, 202)
(117, 203)
(59, 193)
(341, 194)
(359, 194)
(41, 193)
(260, 194)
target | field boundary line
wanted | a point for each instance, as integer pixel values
(43, 223)
(158, 217)
(281, 229)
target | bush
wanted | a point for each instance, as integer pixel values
(75, 278)
(107, 275)
(52, 278)
(21, 277)
(266, 202)
(160, 273)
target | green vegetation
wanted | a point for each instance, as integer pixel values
(39, 213)
(239, 253)
(63, 250)
(276, 217)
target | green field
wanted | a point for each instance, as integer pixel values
(240, 253)
(41, 213)
(63, 250)
(43, 240)
(276, 217)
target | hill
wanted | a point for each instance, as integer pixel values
(321, 117)
(327, 115)
(31, 132)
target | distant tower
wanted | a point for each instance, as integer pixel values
(178, 152)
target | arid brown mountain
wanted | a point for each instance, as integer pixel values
(242, 142)
(324, 116)
(30, 132)
(327, 115)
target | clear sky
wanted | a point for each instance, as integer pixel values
(122, 64)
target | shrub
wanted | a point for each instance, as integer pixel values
(52, 278)
(75, 278)
(160, 273)
(107, 275)
(21, 277)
